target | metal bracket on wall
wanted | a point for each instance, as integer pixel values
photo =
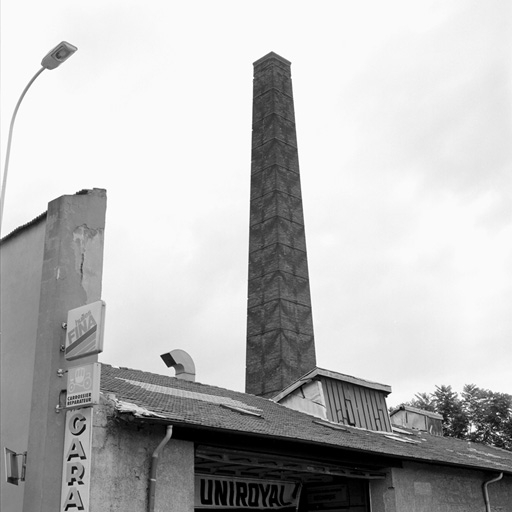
(12, 472)
(64, 325)
(59, 408)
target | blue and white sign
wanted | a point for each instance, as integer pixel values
(84, 333)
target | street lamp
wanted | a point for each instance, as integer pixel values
(53, 59)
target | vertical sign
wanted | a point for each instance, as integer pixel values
(76, 468)
(84, 332)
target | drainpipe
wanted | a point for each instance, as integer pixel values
(154, 464)
(486, 493)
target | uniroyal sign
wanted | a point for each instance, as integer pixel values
(84, 331)
(76, 470)
(217, 492)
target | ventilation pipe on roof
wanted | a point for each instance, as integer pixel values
(182, 363)
(486, 492)
(154, 464)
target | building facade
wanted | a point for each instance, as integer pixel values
(226, 449)
(300, 438)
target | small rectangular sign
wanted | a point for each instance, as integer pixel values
(84, 332)
(83, 385)
(76, 467)
(223, 493)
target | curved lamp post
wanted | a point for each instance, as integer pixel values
(51, 60)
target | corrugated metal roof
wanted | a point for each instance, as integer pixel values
(146, 395)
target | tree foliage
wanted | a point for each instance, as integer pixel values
(478, 415)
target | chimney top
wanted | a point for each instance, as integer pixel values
(272, 56)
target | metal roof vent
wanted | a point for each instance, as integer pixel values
(182, 363)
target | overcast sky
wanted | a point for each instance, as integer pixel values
(404, 124)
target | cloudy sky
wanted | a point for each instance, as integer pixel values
(404, 124)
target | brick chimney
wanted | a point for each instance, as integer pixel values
(280, 342)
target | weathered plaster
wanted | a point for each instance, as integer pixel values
(432, 488)
(121, 462)
(87, 244)
(382, 494)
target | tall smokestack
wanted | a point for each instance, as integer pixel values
(280, 342)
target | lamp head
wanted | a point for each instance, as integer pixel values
(58, 55)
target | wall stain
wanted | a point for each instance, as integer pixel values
(88, 250)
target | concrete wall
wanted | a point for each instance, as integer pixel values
(431, 488)
(21, 260)
(121, 461)
(70, 277)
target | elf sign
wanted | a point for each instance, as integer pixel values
(76, 469)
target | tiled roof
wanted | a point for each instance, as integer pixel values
(147, 395)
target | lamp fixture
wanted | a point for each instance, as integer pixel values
(53, 59)
(58, 55)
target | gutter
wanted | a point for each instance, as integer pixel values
(486, 492)
(154, 464)
(386, 458)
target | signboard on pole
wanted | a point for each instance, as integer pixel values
(84, 332)
(83, 385)
(76, 467)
